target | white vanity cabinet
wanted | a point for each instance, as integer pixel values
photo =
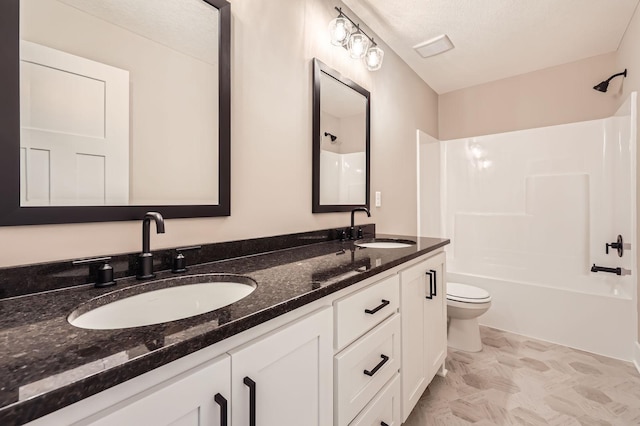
(424, 327)
(361, 356)
(284, 378)
(368, 323)
(200, 396)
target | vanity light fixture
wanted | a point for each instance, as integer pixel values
(340, 29)
(346, 33)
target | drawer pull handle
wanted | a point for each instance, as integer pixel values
(377, 308)
(435, 282)
(377, 367)
(222, 402)
(430, 274)
(252, 400)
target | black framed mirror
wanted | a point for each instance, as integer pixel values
(341, 145)
(112, 109)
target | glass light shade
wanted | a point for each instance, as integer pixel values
(373, 58)
(340, 29)
(358, 45)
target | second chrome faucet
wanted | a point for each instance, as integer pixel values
(145, 259)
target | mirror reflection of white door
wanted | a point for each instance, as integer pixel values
(74, 138)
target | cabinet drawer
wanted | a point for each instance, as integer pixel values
(363, 368)
(360, 312)
(384, 408)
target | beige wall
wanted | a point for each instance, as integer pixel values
(353, 130)
(556, 95)
(629, 57)
(273, 44)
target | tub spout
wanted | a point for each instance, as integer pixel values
(617, 271)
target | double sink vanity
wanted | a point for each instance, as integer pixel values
(323, 332)
(331, 327)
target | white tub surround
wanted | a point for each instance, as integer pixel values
(529, 212)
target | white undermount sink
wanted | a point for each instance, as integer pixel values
(384, 243)
(179, 298)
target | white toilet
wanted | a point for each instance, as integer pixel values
(465, 303)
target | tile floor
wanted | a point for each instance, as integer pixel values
(517, 380)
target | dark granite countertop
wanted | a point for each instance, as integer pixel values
(47, 364)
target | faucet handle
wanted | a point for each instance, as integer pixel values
(179, 261)
(105, 272)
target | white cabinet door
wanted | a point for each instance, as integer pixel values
(436, 316)
(197, 397)
(424, 327)
(285, 377)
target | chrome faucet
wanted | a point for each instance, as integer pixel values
(352, 230)
(145, 259)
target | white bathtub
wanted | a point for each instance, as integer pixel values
(596, 321)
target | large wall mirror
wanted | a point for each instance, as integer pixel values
(113, 108)
(341, 154)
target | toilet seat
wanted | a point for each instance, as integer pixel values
(466, 293)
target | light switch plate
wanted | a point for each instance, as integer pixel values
(378, 198)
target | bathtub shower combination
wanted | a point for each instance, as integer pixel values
(529, 213)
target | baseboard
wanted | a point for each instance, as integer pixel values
(636, 355)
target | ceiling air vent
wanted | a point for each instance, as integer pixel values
(434, 46)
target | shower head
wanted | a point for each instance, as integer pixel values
(333, 137)
(604, 85)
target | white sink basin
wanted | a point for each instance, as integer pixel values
(384, 243)
(189, 296)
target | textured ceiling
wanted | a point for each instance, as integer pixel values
(189, 27)
(495, 39)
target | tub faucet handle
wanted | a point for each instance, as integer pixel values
(618, 244)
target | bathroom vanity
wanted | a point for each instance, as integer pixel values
(334, 334)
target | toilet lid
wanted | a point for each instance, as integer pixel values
(467, 293)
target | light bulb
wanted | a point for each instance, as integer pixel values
(358, 45)
(339, 30)
(373, 58)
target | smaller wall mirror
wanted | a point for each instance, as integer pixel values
(341, 154)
